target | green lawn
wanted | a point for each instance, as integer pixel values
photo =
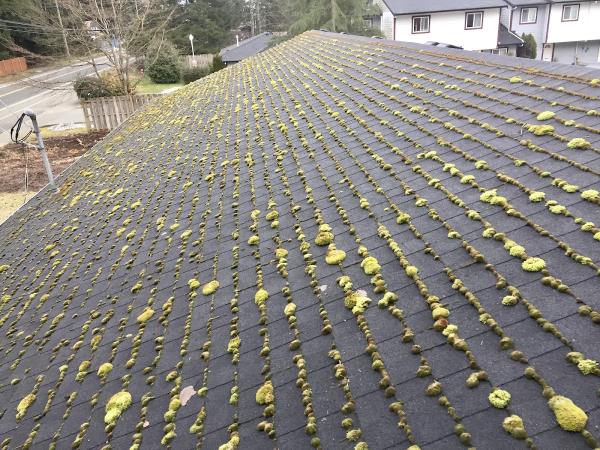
(146, 86)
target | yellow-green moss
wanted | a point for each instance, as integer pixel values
(24, 404)
(146, 315)
(193, 284)
(590, 194)
(265, 395)
(515, 79)
(569, 416)
(4, 267)
(537, 196)
(509, 300)
(578, 143)
(210, 287)
(540, 130)
(517, 250)
(324, 235)
(588, 366)
(234, 344)
(290, 309)
(533, 264)
(514, 426)
(261, 296)
(370, 265)
(253, 240)
(545, 115)
(281, 253)
(499, 398)
(440, 313)
(118, 403)
(334, 256)
(411, 271)
(356, 302)
(104, 369)
(232, 443)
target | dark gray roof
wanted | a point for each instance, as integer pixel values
(506, 37)
(429, 6)
(419, 160)
(247, 48)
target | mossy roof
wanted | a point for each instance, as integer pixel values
(415, 156)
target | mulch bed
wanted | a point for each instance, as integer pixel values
(62, 151)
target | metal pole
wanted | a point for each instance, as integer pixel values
(64, 35)
(41, 148)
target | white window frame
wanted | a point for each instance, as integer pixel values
(474, 14)
(427, 19)
(570, 7)
(528, 19)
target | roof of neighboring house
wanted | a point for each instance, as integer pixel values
(248, 47)
(506, 37)
(430, 6)
(344, 242)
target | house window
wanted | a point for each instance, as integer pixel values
(369, 23)
(570, 13)
(528, 15)
(420, 24)
(474, 20)
(500, 51)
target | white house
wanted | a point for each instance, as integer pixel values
(566, 32)
(470, 24)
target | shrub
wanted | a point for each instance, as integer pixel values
(529, 49)
(165, 69)
(190, 74)
(107, 85)
(217, 63)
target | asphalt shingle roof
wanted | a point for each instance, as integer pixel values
(247, 48)
(506, 37)
(417, 162)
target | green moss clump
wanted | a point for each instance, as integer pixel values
(334, 256)
(440, 313)
(514, 426)
(569, 416)
(533, 264)
(356, 302)
(24, 404)
(232, 443)
(353, 435)
(499, 398)
(517, 250)
(118, 403)
(540, 130)
(104, 369)
(590, 194)
(402, 218)
(261, 296)
(588, 366)
(146, 315)
(265, 394)
(210, 287)
(4, 267)
(193, 284)
(290, 309)
(579, 143)
(370, 265)
(411, 271)
(509, 300)
(253, 240)
(281, 253)
(434, 389)
(234, 344)
(324, 235)
(537, 196)
(545, 115)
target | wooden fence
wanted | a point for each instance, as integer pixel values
(106, 113)
(13, 65)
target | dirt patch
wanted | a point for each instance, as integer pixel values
(62, 151)
(10, 202)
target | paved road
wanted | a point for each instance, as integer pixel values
(49, 94)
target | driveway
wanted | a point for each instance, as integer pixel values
(49, 94)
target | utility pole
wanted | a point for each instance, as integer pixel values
(64, 35)
(332, 15)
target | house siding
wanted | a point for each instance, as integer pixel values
(386, 24)
(449, 27)
(585, 29)
(538, 29)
